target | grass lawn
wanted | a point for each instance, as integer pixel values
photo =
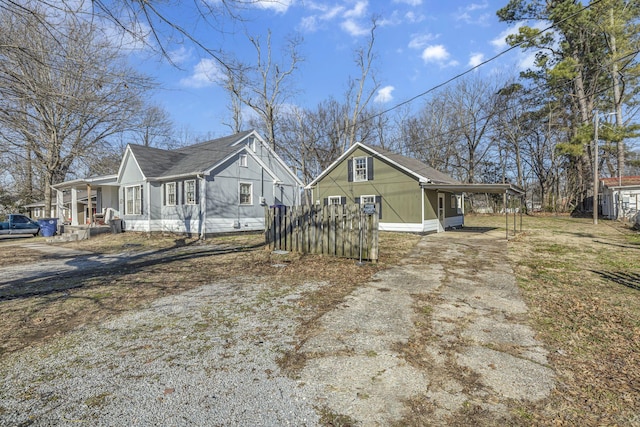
(582, 284)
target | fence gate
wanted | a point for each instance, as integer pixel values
(349, 231)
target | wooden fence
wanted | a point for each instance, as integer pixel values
(349, 231)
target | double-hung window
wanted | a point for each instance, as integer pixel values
(170, 193)
(242, 160)
(245, 193)
(335, 200)
(133, 197)
(190, 192)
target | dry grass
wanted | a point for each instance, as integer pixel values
(41, 308)
(582, 284)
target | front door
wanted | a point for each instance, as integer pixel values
(441, 212)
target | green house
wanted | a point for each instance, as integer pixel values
(409, 195)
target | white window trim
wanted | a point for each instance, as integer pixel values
(250, 193)
(136, 200)
(456, 202)
(357, 178)
(167, 193)
(330, 200)
(372, 197)
(242, 160)
(186, 192)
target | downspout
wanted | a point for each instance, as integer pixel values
(422, 207)
(148, 186)
(203, 206)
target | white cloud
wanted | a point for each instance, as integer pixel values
(205, 73)
(409, 2)
(464, 14)
(384, 94)
(412, 17)
(180, 55)
(435, 53)
(353, 28)
(421, 40)
(476, 59)
(308, 24)
(438, 54)
(279, 6)
(359, 9)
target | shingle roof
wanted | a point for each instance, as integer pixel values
(416, 166)
(192, 159)
(625, 180)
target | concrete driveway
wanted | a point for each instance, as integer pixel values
(445, 331)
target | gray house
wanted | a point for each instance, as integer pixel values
(216, 186)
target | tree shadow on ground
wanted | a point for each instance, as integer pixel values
(630, 280)
(87, 268)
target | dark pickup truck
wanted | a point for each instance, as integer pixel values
(19, 224)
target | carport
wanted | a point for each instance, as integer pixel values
(509, 192)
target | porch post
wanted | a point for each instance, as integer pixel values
(506, 215)
(74, 206)
(90, 205)
(60, 206)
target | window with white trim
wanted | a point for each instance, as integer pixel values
(190, 192)
(242, 160)
(334, 200)
(456, 202)
(170, 193)
(133, 197)
(245, 193)
(367, 200)
(359, 169)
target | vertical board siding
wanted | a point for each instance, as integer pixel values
(338, 230)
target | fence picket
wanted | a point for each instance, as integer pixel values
(337, 230)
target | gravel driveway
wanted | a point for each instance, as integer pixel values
(208, 356)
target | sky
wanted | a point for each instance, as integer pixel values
(418, 44)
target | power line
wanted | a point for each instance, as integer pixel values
(493, 58)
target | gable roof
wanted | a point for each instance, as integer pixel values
(413, 167)
(189, 160)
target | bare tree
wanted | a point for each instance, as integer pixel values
(264, 87)
(359, 93)
(61, 97)
(154, 128)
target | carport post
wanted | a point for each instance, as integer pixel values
(506, 215)
(515, 222)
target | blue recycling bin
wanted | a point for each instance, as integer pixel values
(48, 226)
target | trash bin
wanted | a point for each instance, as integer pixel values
(48, 226)
(116, 226)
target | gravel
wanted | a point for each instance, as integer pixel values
(206, 357)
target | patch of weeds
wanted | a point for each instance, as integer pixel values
(97, 401)
(292, 362)
(328, 418)
(371, 353)
(420, 411)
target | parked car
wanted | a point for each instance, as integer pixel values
(19, 224)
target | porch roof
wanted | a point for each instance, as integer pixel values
(104, 181)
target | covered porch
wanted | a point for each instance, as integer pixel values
(88, 201)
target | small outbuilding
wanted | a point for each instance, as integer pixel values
(620, 197)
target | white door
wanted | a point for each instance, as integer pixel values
(441, 212)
